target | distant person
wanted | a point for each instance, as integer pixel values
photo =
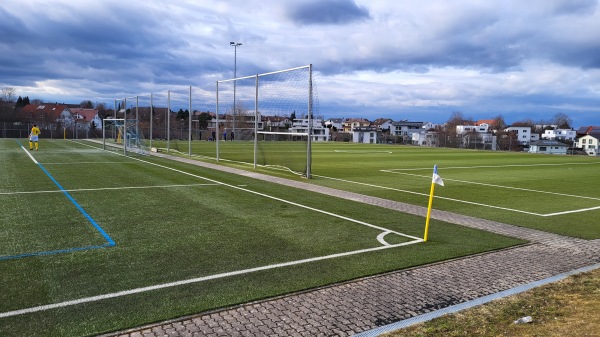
(214, 136)
(225, 136)
(231, 135)
(33, 137)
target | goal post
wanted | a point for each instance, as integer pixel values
(243, 103)
(121, 133)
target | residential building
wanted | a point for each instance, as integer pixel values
(560, 134)
(351, 123)
(524, 134)
(86, 119)
(548, 146)
(276, 123)
(383, 124)
(319, 132)
(590, 144)
(405, 129)
(365, 134)
(337, 123)
(45, 114)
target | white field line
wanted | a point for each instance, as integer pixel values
(496, 166)
(193, 280)
(29, 154)
(106, 189)
(493, 185)
(360, 151)
(427, 195)
(88, 162)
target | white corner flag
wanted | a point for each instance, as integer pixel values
(436, 179)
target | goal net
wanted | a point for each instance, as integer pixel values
(246, 107)
(123, 134)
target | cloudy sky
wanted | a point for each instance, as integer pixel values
(415, 60)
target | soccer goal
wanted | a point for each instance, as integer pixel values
(243, 105)
(125, 134)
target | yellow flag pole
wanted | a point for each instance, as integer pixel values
(429, 212)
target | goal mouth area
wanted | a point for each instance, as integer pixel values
(120, 133)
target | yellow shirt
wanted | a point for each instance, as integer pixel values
(35, 131)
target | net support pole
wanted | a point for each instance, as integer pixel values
(310, 107)
(151, 117)
(137, 117)
(168, 120)
(125, 127)
(256, 122)
(216, 140)
(190, 124)
(103, 134)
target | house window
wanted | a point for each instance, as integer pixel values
(583, 141)
(542, 149)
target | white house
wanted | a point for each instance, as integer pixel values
(548, 146)
(405, 129)
(560, 134)
(383, 124)
(590, 144)
(426, 138)
(524, 134)
(319, 132)
(84, 118)
(337, 123)
(463, 129)
(366, 134)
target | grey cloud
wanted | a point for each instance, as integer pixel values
(327, 12)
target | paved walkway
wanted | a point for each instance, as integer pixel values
(358, 306)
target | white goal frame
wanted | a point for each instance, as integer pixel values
(256, 110)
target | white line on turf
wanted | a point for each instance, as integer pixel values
(193, 280)
(498, 186)
(29, 154)
(573, 211)
(107, 189)
(498, 166)
(426, 195)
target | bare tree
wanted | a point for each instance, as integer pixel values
(562, 121)
(8, 95)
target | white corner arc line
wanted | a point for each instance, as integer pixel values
(381, 238)
(193, 280)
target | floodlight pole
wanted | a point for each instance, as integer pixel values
(235, 45)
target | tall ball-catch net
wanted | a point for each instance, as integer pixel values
(245, 135)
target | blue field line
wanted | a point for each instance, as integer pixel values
(53, 252)
(109, 241)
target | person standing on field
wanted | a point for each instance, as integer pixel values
(33, 137)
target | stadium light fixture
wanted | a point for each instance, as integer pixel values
(235, 45)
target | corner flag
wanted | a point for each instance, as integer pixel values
(436, 179)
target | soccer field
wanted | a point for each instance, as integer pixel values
(92, 241)
(554, 193)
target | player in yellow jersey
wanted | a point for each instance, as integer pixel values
(33, 137)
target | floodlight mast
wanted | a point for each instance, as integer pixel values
(235, 45)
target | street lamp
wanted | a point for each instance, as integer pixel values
(235, 45)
